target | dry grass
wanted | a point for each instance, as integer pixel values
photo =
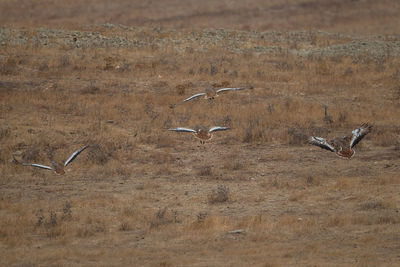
(219, 195)
(142, 195)
(333, 16)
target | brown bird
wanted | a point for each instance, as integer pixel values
(201, 134)
(210, 94)
(343, 146)
(57, 168)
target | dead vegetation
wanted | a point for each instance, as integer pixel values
(158, 198)
(219, 195)
(332, 16)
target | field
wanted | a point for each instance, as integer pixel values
(257, 194)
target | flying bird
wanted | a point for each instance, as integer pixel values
(210, 94)
(57, 168)
(343, 146)
(201, 134)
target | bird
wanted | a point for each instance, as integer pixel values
(201, 133)
(210, 94)
(57, 168)
(343, 146)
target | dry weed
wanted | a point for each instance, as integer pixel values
(54, 97)
(311, 180)
(219, 195)
(205, 170)
(164, 216)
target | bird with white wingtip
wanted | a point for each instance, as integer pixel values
(57, 168)
(343, 146)
(210, 94)
(201, 134)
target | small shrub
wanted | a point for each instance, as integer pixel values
(372, 205)
(4, 131)
(43, 67)
(139, 187)
(233, 165)
(201, 217)
(124, 227)
(226, 121)
(160, 85)
(98, 155)
(213, 70)
(219, 195)
(248, 135)
(109, 63)
(163, 216)
(40, 219)
(385, 137)
(205, 171)
(311, 180)
(84, 232)
(52, 221)
(64, 61)
(31, 154)
(181, 88)
(342, 118)
(67, 213)
(297, 136)
(8, 67)
(90, 89)
(221, 85)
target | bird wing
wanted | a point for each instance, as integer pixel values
(218, 128)
(321, 142)
(193, 96)
(38, 165)
(229, 89)
(359, 134)
(181, 129)
(74, 155)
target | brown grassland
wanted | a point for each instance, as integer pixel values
(143, 196)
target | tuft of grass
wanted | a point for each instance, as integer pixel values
(32, 154)
(337, 221)
(219, 195)
(98, 154)
(66, 212)
(181, 88)
(164, 216)
(298, 136)
(205, 170)
(4, 131)
(233, 164)
(9, 66)
(311, 180)
(125, 226)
